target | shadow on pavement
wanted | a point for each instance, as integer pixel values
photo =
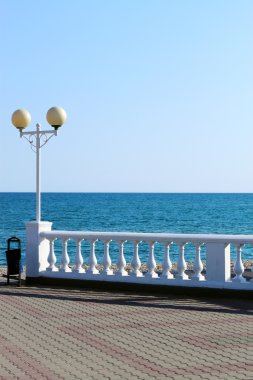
(169, 302)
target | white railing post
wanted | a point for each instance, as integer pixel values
(136, 263)
(78, 258)
(92, 261)
(151, 263)
(198, 266)
(167, 265)
(106, 260)
(37, 249)
(51, 257)
(121, 262)
(181, 264)
(239, 268)
(65, 257)
(218, 262)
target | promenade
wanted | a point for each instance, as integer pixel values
(57, 333)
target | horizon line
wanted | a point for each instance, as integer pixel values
(126, 192)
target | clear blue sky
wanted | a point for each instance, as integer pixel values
(158, 94)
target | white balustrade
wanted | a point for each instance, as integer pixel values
(239, 268)
(92, 261)
(217, 248)
(106, 261)
(78, 258)
(51, 257)
(167, 264)
(151, 263)
(198, 266)
(121, 262)
(181, 264)
(136, 262)
(64, 267)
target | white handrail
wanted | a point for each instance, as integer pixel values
(149, 237)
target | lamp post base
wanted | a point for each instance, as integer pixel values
(37, 250)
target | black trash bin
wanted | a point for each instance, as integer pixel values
(13, 258)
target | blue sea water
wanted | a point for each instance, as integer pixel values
(135, 212)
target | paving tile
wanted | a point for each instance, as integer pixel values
(57, 334)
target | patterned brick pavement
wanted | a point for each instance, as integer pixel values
(52, 334)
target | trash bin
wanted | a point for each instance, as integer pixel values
(13, 258)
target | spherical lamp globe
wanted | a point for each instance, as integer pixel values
(21, 119)
(56, 116)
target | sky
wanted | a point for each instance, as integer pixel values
(158, 94)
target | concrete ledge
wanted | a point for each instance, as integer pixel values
(141, 288)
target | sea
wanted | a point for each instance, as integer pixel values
(132, 212)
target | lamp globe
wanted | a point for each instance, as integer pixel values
(21, 119)
(56, 117)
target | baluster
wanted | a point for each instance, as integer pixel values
(239, 267)
(92, 261)
(51, 257)
(121, 262)
(181, 264)
(151, 263)
(167, 265)
(136, 263)
(78, 258)
(65, 257)
(106, 260)
(198, 266)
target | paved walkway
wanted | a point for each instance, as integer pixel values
(52, 334)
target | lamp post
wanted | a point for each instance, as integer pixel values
(21, 118)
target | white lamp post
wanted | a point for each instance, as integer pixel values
(21, 118)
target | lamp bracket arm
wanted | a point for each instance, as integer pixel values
(44, 137)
